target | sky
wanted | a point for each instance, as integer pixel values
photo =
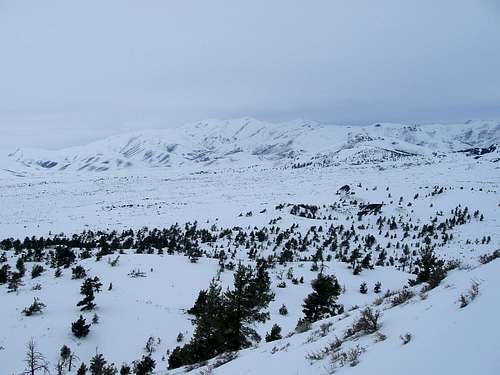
(75, 71)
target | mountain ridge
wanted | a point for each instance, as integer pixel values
(247, 141)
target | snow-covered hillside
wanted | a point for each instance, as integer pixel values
(245, 142)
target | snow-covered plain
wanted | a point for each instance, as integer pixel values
(39, 200)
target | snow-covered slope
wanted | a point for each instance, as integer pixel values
(244, 142)
(444, 338)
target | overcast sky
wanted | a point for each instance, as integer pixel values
(73, 71)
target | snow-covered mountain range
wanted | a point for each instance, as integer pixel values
(246, 141)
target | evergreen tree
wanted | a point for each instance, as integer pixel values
(145, 366)
(14, 282)
(223, 320)
(244, 305)
(208, 337)
(4, 273)
(378, 287)
(21, 268)
(35, 307)
(89, 286)
(78, 272)
(82, 370)
(36, 271)
(274, 334)
(363, 288)
(79, 328)
(322, 302)
(125, 369)
(431, 268)
(97, 364)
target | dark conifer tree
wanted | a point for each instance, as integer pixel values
(145, 366)
(89, 286)
(82, 370)
(322, 302)
(4, 273)
(79, 328)
(431, 268)
(97, 364)
(363, 288)
(244, 305)
(21, 268)
(274, 334)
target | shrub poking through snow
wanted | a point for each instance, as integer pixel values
(349, 357)
(35, 307)
(303, 326)
(470, 295)
(402, 296)
(406, 338)
(331, 348)
(366, 324)
(379, 336)
(36, 271)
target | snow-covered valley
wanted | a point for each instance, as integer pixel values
(361, 204)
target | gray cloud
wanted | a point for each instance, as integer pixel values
(76, 71)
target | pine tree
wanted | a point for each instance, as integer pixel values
(21, 268)
(89, 286)
(244, 305)
(224, 320)
(432, 269)
(79, 328)
(97, 364)
(35, 307)
(145, 366)
(82, 370)
(78, 272)
(363, 288)
(125, 369)
(4, 273)
(14, 282)
(274, 334)
(322, 302)
(36, 271)
(378, 287)
(207, 339)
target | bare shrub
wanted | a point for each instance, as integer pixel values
(470, 295)
(303, 326)
(402, 296)
(350, 357)
(325, 328)
(327, 350)
(379, 336)
(366, 324)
